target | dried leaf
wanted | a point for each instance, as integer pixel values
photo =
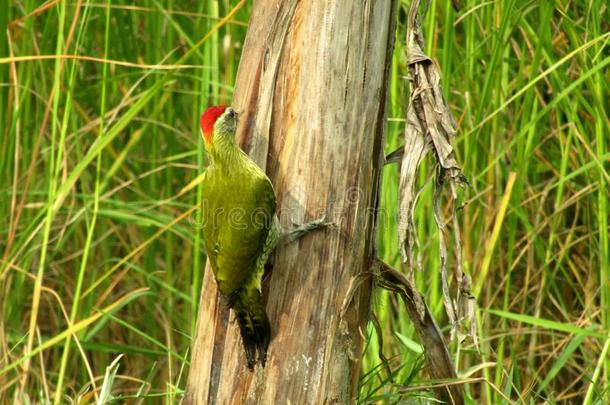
(430, 126)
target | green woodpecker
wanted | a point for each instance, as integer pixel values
(240, 227)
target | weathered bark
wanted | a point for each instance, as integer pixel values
(312, 82)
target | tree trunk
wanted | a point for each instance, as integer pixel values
(312, 83)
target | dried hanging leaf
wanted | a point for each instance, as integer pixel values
(430, 126)
(438, 358)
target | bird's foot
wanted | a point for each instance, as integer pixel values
(301, 229)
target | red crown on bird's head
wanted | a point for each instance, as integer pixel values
(208, 119)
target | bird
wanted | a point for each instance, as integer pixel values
(240, 227)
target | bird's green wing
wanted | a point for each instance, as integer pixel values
(243, 209)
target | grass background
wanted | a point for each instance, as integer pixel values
(99, 158)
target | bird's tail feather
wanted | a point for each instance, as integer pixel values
(253, 324)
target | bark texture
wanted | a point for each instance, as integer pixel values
(312, 83)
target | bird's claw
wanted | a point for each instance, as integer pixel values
(315, 224)
(302, 229)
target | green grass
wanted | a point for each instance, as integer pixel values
(98, 253)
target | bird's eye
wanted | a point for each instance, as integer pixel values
(232, 113)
